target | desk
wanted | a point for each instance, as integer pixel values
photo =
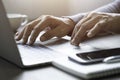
(9, 71)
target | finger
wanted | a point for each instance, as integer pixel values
(48, 35)
(16, 34)
(86, 18)
(98, 27)
(28, 30)
(38, 28)
(19, 36)
(57, 32)
(83, 30)
(77, 38)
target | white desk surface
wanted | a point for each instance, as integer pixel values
(9, 71)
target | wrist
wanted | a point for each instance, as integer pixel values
(71, 24)
(76, 18)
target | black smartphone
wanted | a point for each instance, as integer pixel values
(94, 56)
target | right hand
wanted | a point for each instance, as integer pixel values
(93, 24)
(59, 27)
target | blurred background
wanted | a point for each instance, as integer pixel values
(35, 8)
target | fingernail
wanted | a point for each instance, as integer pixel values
(16, 37)
(16, 34)
(43, 38)
(73, 43)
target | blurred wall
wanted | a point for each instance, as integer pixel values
(35, 8)
(77, 6)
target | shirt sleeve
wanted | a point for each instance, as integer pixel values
(113, 7)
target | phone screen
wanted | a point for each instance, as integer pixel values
(98, 55)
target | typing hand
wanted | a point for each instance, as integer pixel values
(58, 27)
(93, 24)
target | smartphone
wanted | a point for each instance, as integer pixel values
(94, 56)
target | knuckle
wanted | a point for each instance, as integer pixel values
(47, 16)
(99, 24)
(77, 26)
(92, 13)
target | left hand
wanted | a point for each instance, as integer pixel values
(58, 27)
(93, 24)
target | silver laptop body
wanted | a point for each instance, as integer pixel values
(21, 55)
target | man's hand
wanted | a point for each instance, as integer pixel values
(93, 24)
(58, 27)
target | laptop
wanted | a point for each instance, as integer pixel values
(54, 51)
(41, 53)
(22, 55)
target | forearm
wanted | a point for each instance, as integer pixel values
(113, 7)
